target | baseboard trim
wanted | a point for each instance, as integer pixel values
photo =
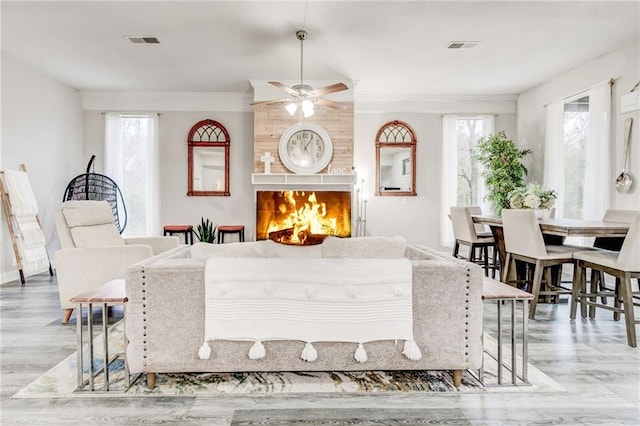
(8, 276)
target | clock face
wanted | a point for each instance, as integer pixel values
(305, 148)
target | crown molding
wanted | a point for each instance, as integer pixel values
(436, 103)
(241, 102)
(165, 101)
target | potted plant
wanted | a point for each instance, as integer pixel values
(205, 231)
(503, 170)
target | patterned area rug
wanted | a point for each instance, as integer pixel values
(61, 380)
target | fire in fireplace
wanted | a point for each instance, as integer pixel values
(302, 217)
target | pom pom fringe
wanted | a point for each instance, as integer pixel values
(411, 350)
(360, 355)
(257, 350)
(205, 351)
(309, 353)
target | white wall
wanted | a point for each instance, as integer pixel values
(41, 127)
(416, 218)
(176, 207)
(623, 65)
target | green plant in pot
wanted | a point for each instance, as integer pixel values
(503, 169)
(205, 231)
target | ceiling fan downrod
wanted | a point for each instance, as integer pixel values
(302, 36)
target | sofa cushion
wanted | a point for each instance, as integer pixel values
(244, 249)
(96, 236)
(86, 213)
(364, 247)
(292, 251)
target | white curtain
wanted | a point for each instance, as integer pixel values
(449, 178)
(554, 153)
(143, 201)
(449, 190)
(597, 179)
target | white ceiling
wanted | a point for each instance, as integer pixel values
(388, 47)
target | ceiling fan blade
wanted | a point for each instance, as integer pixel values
(272, 101)
(331, 104)
(338, 87)
(284, 87)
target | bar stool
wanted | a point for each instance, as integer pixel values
(230, 229)
(187, 230)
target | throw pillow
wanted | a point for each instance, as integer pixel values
(364, 247)
(86, 213)
(293, 251)
(244, 249)
(96, 236)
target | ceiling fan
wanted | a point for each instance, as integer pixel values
(303, 96)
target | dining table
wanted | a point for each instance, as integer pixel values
(555, 230)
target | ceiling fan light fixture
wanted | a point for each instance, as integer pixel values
(307, 108)
(291, 108)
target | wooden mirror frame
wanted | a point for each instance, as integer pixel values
(397, 134)
(208, 134)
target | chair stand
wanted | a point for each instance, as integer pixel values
(623, 296)
(542, 268)
(483, 259)
(66, 315)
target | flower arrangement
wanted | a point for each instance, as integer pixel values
(532, 196)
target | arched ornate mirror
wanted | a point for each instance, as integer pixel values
(208, 159)
(396, 160)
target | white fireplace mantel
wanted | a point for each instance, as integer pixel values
(316, 180)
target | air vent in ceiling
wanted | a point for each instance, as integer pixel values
(462, 44)
(142, 40)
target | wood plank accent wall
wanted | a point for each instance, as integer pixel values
(270, 121)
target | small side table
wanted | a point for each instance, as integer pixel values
(504, 293)
(110, 293)
(230, 229)
(187, 230)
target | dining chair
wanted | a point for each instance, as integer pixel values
(623, 265)
(608, 243)
(466, 233)
(524, 242)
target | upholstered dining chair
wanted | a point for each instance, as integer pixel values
(623, 265)
(524, 242)
(92, 250)
(466, 233)
(598, 283)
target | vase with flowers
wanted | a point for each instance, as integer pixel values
(533, 196)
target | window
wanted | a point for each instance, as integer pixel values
(577, 152)
(575, 135)
(462, 184)
(131, 160)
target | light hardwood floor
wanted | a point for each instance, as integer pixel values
(589, 358)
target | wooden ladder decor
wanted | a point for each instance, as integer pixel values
(10, 219)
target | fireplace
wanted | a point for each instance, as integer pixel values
(302, 217)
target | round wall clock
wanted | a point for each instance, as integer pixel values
(305, 148)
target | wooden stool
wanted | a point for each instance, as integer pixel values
(501, 293)
(187, 230)
(230, 229)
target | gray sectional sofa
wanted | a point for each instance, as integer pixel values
(165, 313)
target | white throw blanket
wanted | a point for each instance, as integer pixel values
(30, 238)
(23, 201)
(311, 300)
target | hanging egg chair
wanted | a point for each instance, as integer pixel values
(94, 186)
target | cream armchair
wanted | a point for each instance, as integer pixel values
(93, 252)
